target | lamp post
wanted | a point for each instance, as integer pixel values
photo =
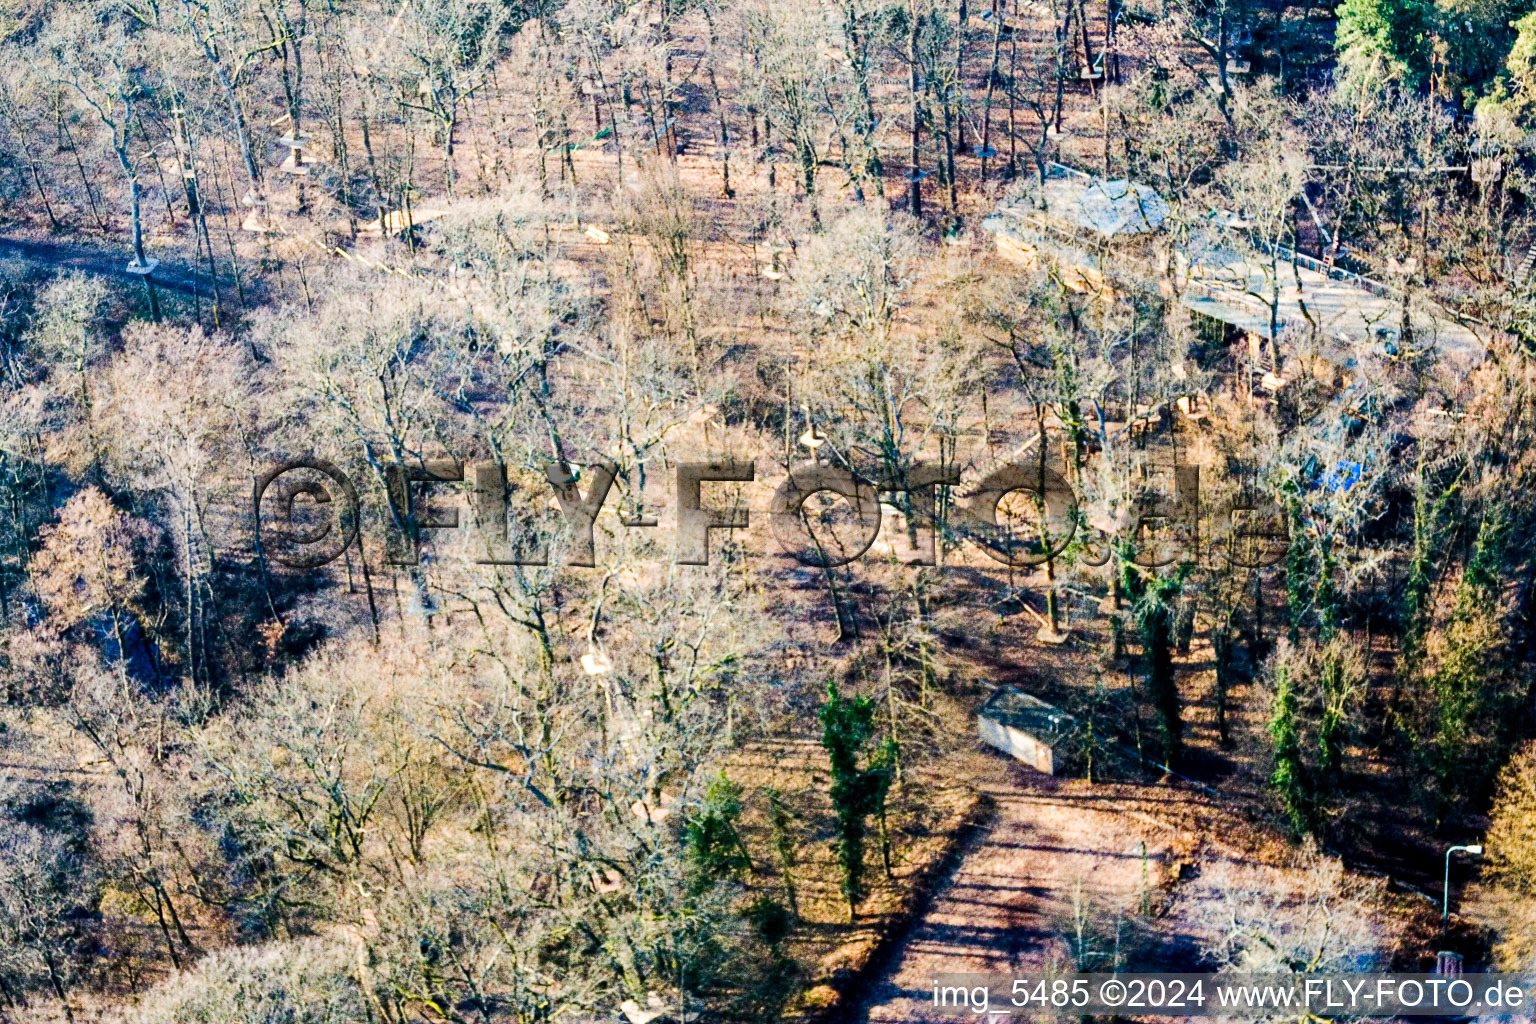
(1475, 850)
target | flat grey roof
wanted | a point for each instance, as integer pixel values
(1029, 714)
(1233, 288)
(1069, 209)
(1236, 313)
(1080, 202)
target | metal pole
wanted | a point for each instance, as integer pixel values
(1445, 896)
(1476, 850)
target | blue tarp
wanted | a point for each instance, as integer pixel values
(1342, 477)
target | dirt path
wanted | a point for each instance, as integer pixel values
(1009, 901)
(97, 262)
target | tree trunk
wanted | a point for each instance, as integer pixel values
(236, 114)
(998, 7)
(964, 12)
(915, 187)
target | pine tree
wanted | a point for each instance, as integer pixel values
(1325, 599)
(1290, 775)
(1330, 730)
(857, 793)
(714, 844)
(1154, 596)
(783, 845)
(1156, 630)
(1299, 568)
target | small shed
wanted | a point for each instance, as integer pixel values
(1026, 728)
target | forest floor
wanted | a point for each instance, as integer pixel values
(1004, 887)
(96, 262)
(1052, 844)
(1063, 865)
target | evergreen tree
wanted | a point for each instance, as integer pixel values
(1157, 641)
(1289, 778)
(1386, 38)
(784, 845)
(1299, 568)
(857, 792)
(1316, 686)
(1325, 599)
(714, 845)
(1330, 730)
